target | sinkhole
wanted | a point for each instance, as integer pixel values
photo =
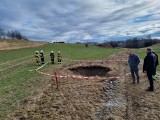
(90, 70)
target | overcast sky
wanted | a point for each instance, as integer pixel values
(81, 20)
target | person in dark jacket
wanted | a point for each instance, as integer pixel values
(52, 57)
(156, 64)
(149, 67)
(42, 56)
(133, 62)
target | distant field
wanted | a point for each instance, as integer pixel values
(17, 44)
(17, 83)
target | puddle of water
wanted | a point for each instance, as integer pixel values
(117, 102)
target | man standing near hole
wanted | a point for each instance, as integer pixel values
(133, 62)
(149, 67)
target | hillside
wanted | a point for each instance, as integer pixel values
(17, 44)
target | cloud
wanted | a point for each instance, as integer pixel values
(80, 20)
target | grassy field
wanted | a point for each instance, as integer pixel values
(17, 83)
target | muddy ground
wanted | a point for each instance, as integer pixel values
(86, 99)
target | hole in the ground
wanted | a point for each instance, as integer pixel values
(91, 70)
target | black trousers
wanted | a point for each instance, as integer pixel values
(149, 74)
(59, 60)
(52, 60)
(133, 73)
(42, 60)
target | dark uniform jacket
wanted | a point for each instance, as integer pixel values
(156, 61)
(52, 55)
(41, 55)
(149, 64)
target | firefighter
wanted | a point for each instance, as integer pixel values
(37, 58)
(42, 56)
(52, 57)
(59, 57)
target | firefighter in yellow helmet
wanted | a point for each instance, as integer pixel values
(59, 57)
(37, 58)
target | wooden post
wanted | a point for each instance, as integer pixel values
(52, 80)
(56, 81)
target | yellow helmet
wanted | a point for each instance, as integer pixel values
(36, 52)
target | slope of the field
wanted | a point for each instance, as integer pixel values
(17, 44)
(17, 82)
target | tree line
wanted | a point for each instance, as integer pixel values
(131, 43)
(13, 34)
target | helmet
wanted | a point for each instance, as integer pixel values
(36, 52)
(41, 51)
(52, 52)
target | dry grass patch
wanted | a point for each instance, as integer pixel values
(17, 44)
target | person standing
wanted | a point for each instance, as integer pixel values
(52, 57)
(59, 57)
(37, 58)
(149, 67)
(133, 62)
(42, 56)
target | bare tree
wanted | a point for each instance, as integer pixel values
(10, 35)
(16, 35)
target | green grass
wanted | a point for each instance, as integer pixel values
(71, 51)
(17, 83)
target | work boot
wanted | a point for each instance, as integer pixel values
(149, 89)
(133, 82)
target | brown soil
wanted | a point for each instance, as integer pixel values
(90, 70)
(17, 44)
(85, 99)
